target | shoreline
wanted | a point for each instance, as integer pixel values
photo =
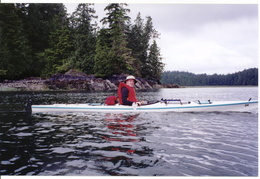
(76, 81)
(4, 88)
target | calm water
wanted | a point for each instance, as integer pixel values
(146, 144)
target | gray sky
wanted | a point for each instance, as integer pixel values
(201, 38)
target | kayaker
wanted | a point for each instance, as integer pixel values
(126, 92)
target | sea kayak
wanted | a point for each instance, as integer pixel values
(161, 106)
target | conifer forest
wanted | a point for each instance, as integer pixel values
(39, 40)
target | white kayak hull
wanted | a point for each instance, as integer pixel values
(237, 106)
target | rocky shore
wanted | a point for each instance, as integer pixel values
(74, 80)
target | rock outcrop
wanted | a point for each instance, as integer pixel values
(74, 80)
(30, 84)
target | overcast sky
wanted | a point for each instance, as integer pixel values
(201, 38)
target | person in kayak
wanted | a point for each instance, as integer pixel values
(126, 92)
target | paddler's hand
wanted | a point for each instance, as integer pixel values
(144, 102)
(137, 104)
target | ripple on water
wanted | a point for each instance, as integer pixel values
(212, 142)
(166, 144)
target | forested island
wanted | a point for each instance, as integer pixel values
(245, 77)
(41, 40)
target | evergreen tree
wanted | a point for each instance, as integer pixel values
(84, 38)
(149, 34)
(42, 20)
(15, 51)
(155, 66)
(136, 43)
(117, 21)
(141, 36)
(40, 23)
(104, 64)
(55, 57)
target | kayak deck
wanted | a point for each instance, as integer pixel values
(197, 106)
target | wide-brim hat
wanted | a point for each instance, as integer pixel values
(131, 77)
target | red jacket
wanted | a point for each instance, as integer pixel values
(131, 94)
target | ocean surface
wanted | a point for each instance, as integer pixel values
(145, 144)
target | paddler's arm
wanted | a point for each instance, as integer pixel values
(125, 96)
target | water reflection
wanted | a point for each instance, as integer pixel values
(117, 157)
(74, 144)
(121, 127)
